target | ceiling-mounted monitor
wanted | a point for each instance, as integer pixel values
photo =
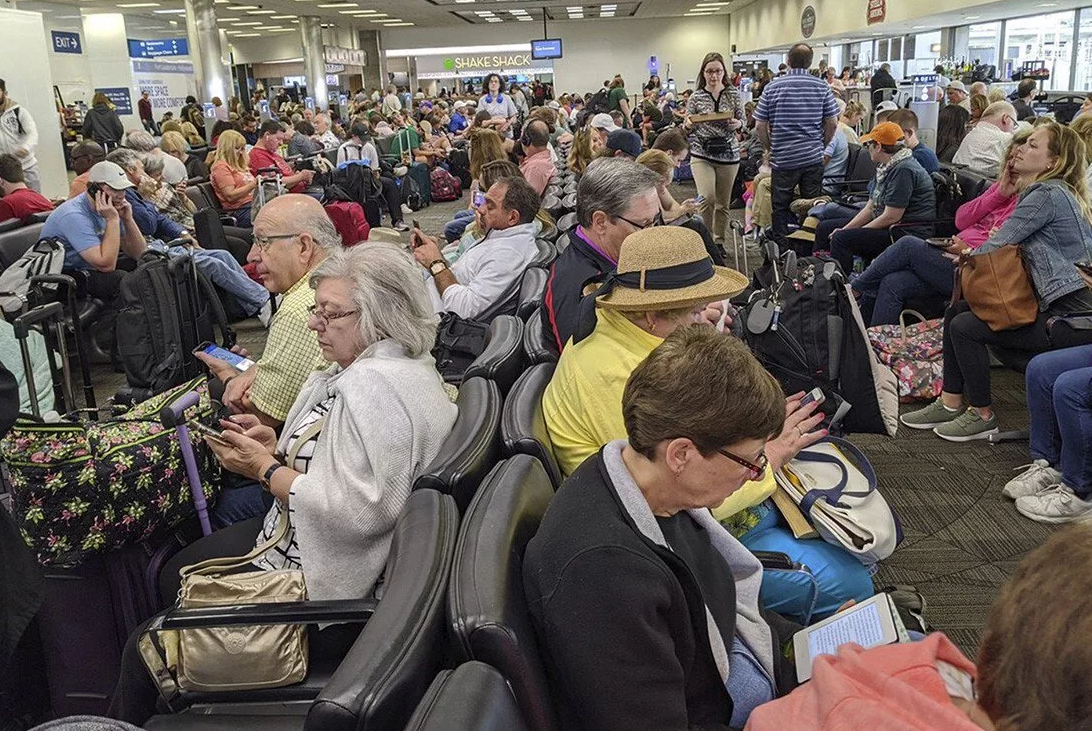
(546, 49)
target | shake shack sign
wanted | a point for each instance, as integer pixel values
(807, 21)
(487, 61)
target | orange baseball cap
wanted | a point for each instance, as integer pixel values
(885, 133)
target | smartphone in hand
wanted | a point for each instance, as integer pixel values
(207, 431)
(1085, 266)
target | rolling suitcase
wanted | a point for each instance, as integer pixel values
(420, 173)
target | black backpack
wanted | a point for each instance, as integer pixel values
(458, 342)
(459, 162)
(170, 309)
(949, 197)
(802, 325)
(411, 193)
(598, 104)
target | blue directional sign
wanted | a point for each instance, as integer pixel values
(158, 48)
(120, 97)
(64, 42)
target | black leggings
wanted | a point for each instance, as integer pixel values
(135, 696)
(393, 195)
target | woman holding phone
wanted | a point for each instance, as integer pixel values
(714, 147)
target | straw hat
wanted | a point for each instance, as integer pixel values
(660, 251)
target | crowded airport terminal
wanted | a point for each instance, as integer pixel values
(538, 365)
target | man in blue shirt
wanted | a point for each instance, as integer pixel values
(928, 159)
(458, 121)
(796, 119)
(95, 228)
(835, 162)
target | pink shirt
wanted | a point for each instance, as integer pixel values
(538, 169)
(894, 688)
(976, 218)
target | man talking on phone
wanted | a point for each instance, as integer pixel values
(490, 270)
(101, 239)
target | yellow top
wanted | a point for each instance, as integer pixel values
(291, 353)
(583, 402)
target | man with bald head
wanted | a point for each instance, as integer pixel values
(292, 236)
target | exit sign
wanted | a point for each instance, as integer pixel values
(65, 42)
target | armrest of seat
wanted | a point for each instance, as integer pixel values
(337, 611)
(895, 229)
(228, 220)
(774, 560)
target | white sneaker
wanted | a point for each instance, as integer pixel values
(1035, 478)
(266, 313)
(406, 210)
(1056, 504)
(400, 171)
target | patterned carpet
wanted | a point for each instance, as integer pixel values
(962, 538)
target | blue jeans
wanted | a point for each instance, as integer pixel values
(825, 211)
(242, 216)
(238, 503)
(1059, 388)
(222, 269)
(908, 269)
(453, 229)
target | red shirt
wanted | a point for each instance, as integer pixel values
(263, 158)
(22, 203)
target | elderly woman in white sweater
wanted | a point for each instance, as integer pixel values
(342, 468)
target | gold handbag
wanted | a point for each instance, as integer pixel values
(230, 658)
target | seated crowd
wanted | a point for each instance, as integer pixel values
(643, 585)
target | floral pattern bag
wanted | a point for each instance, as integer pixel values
(80, 489)
(913, 353)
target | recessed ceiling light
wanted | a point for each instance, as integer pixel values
(607, 14)
(397, 25)
(971, 17)
(464, 1)
(249, 35)
(261, 12)
(248, 22)
(282, 17)
(137, 5)
(524, 17)
(169, 12)
(246, 7)
(494, 20)
(337, 5)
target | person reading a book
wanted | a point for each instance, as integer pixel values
(582, 404)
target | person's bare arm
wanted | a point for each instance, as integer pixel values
(888, 217)
(830, 128)
(861, 218)
(762, 129)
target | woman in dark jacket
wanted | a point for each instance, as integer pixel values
(646, 609)
(102, 123)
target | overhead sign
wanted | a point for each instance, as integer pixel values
(159, 48)
(483, 62)
(546, 48)
(65, 42)
(653, 66)
(877, 11)
(120, 97)
(807, 21)
(348, 56)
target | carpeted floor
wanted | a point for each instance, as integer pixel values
(962, 538)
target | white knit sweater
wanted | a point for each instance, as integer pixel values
(389, 417)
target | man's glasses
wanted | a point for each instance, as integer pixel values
(264, 242)
(754, 471)
(326, 317)
(657, 221)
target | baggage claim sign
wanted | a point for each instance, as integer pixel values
(480, 64)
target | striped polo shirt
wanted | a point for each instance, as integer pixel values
(795, 106)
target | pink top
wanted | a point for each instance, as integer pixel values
(894, 688)
(976, 218)
(538, 169)
(223, 177)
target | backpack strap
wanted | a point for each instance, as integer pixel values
(227, 332)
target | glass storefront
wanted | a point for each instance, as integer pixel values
(1040, 41)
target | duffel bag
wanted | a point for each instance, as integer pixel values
(80, 489)
(914, 353)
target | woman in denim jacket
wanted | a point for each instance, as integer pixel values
(1051, 224)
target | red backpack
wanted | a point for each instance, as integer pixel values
(349, 220)
(444, 185)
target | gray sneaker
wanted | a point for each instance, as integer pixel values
(1056, 504)
(931, 416)
(1035, 478)
(967, 427)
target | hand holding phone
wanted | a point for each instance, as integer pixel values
(479, 198)
(207, 431)
(941, 242)
(238, 362)
(816, 395)
(1085, 266)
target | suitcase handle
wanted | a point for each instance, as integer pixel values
(172, 414)
(24, 322)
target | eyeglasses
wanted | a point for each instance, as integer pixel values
(657, 221)
(326, 317)
(755, 471)
(264, 242)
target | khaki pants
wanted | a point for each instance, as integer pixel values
(714, 181)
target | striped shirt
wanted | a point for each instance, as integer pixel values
(795, 106)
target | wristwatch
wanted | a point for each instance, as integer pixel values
(437, 266)
(265, 479)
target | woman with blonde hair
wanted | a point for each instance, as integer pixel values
(586, 147)
(193, 139)
(850, 120)
(1052, 226)
(486, 145)
(673, 212)
(979, 102)
(1083, 127)
(231, 178)
(174, 144)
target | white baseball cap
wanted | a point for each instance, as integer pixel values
(109, 173)
(604, 121)
(958, 86)
(888, 106)
(460, 104)
(174, 171)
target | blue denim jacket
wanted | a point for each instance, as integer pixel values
(1048, 225)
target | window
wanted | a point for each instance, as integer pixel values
(983, 42)
(1083, 81)
(926, 53)
(1041, 41)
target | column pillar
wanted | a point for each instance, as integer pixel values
(314, 60)
(209, 69)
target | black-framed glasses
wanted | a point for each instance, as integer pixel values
(755, 471)
(657, 221)
(326, 317)
(264, 242)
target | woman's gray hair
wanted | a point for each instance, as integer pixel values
(140, 140)
(153, 164)
(389, 293)
(125, 158)
(610, 184)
